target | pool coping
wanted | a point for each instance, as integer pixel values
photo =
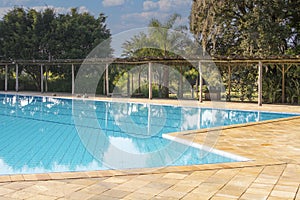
(252, 162)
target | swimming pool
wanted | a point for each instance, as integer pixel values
(44, 134)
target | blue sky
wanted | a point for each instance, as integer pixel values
(122, 15)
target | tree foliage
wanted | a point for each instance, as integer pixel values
(45, 35)
(254, 28)
(31, 34)
(248, 28)
(163, 40)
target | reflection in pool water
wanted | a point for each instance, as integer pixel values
(39, 134)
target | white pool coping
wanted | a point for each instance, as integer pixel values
(206, 148)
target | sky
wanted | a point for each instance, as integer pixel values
(122, 15)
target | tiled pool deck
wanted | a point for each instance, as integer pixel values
(273, 173)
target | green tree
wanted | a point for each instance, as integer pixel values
(293, 23)
(204, 24)
(31, 35)
(249, 28)
(162, 41)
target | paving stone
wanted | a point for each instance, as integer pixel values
(282, 194)
(115, 193)
(249, 196)
(41, 197)
(175, 176)
(80, 195)
(18, 185)
(20, 195)
(138, 195)
(103, 197)
(4, 191)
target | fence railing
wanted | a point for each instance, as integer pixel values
(271, 80)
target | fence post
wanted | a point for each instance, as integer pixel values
(128, 84)
(260, 68)
(180, 96)
(42, 79)
(73, 79)
(107, 80)
(132, 86)
(150, 80)
(17, 78)
(283, 84)
(200, 82)
(229, 83)
(6, 81)
(46, 79)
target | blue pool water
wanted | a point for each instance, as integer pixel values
(43, 134)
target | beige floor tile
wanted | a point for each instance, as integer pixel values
(4, 191)
(30, 177)
(286, 188)
(18, 185)
(266, 180)
(36, 189)
(6, 198)
(198, 196)
(190, 183)
(60, 191)
(80, 195)
(298, 194)
(173, 193)
(117, 180)
(278, 198)
(17, 178)
(262, 191)
(175, 176)
(134, 184)
(149, 190)
(223, 198)
(115, 193)
(261, 186)
(104, 197)
(164, 198)
(95, 189)
(41, 197)
(149, 177)
(84, 182)
(282, 194)
(140, 196)
(250, 196)
(5, 179)
(158, 185)
(20, 195)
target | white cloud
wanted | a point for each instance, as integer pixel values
(141, 20)
(108, 3)
(143, 16)
(83, 9)
(165, 5)
(149, 5)
(4, 10)
(15, 2)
